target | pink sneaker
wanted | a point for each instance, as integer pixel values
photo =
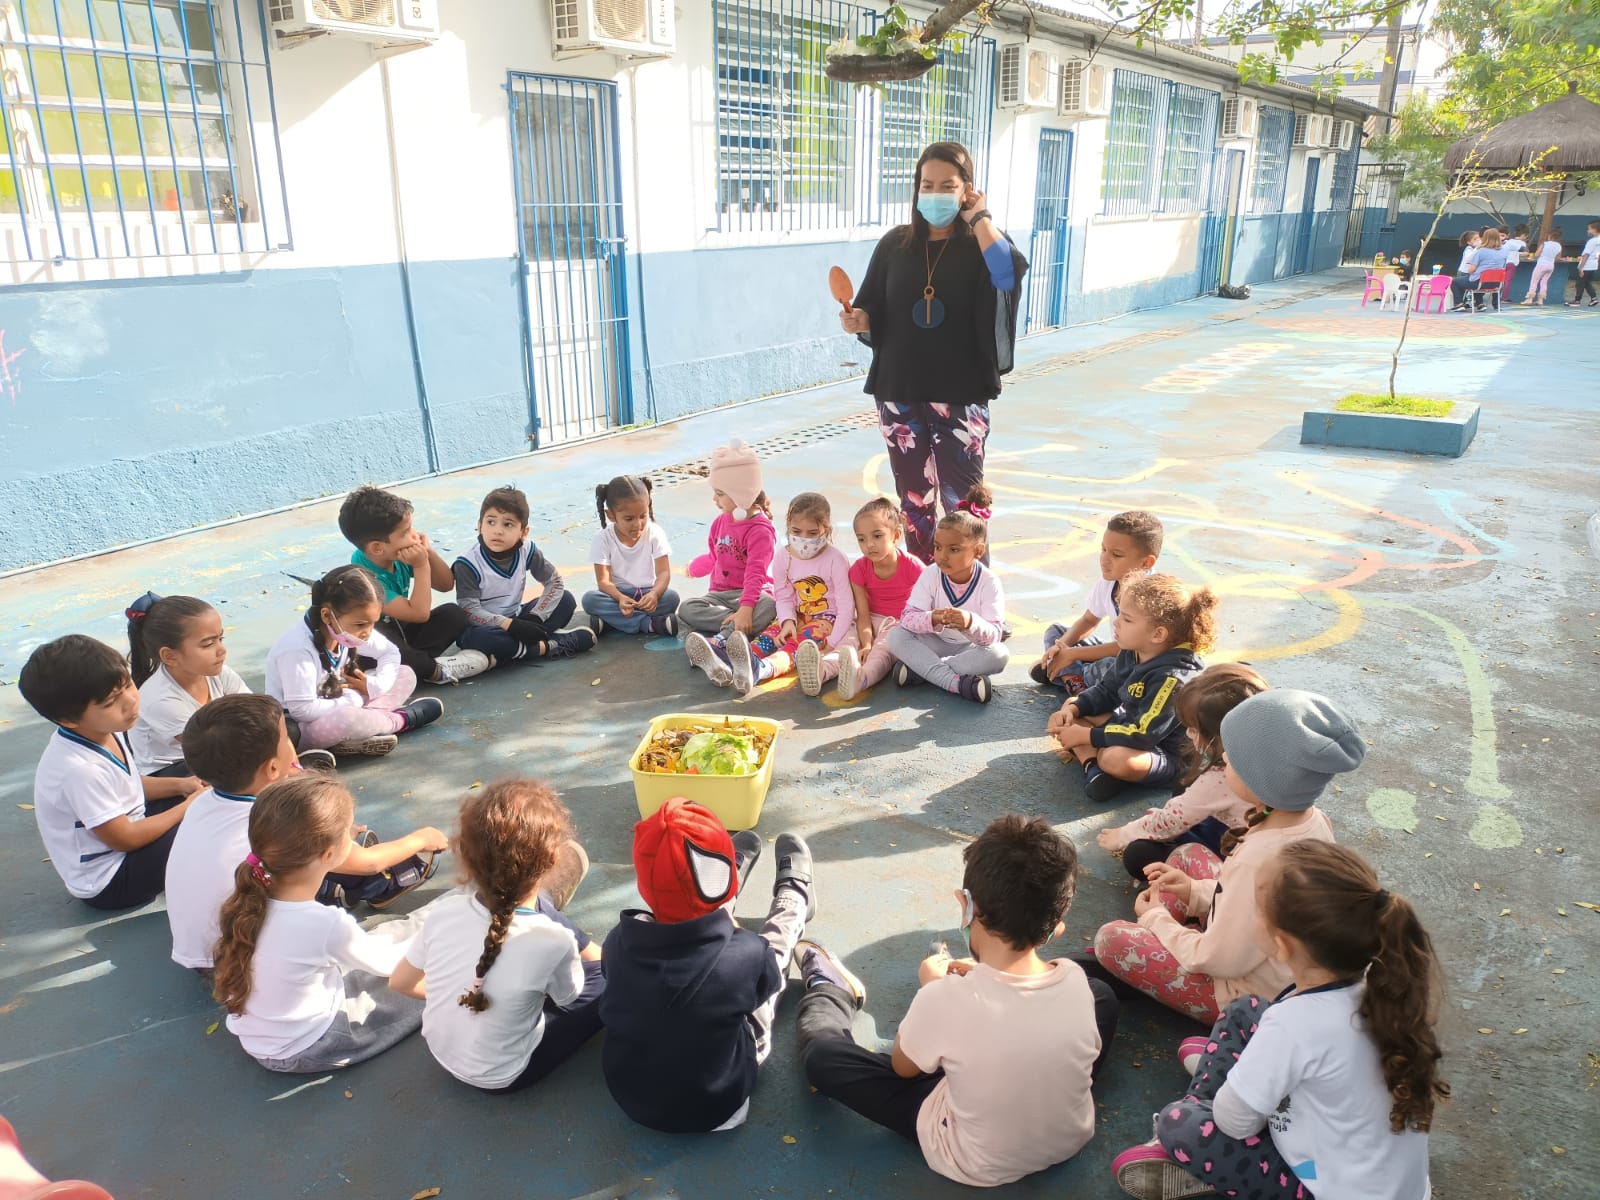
(1189, 1052)
(1146, 1173)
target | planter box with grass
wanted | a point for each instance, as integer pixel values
(1409, 423)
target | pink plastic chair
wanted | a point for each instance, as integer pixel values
(1430, 288)
(1374, 288)
(19, 1180)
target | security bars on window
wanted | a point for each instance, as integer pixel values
(136, 128)
(1272, 160)
(1156, 123)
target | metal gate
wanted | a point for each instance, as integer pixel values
(1052, 233)
(1374, 209)
(572, 252)
(1222, 220)
(1305, 231)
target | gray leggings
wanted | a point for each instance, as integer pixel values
(941, 663)
(370, 1021)
(708, 613)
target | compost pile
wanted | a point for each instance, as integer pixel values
(709, 748)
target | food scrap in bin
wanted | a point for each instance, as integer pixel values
(723, 748)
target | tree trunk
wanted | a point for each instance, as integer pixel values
(947, 18)
(1389, 81)
(1411, 299)
(1550, 196)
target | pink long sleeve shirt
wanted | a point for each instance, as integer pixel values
(1208, 796)
(815, 594)
(741, 555)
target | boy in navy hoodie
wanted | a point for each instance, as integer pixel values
(1125, 729)
(690, 995)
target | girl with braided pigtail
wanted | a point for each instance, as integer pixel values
(511, 986)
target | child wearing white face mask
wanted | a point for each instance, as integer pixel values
(816, 606)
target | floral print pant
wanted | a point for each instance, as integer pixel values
(935, 454)
(1136, 956)
(1250, 1168)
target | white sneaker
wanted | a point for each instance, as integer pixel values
(849, 673)
(702, 657)
(808, 665)
(463, 664)
(375, 746)
(743, 663)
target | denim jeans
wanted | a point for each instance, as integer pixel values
(598, 604)
(502, 643)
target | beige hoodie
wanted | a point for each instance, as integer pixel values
(1230, 949)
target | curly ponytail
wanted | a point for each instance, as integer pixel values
(508, 839)
(1328, 897)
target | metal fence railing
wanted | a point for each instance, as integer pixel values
(1159, 145)
(1343, 185)
(135, 128)
(1273, 137)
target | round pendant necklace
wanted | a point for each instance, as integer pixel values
(928, 313)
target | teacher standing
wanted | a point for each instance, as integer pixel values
(938, 306)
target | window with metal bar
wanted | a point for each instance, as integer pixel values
(954, 102)
(785, 131)
(1160, 142)
(1274, 133)
(131, 128)
(1344, 178)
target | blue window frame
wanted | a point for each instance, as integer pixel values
(1344, 178)
(134, 128)
(1274, 136)
(1160, 142)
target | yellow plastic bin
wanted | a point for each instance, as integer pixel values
(735, 799)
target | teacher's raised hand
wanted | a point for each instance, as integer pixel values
(854, 321)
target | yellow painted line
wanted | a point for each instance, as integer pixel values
(1343, 628)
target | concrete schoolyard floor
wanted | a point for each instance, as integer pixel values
(1450, 605)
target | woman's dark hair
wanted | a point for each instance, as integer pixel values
(1203, 702)
(1142, 528)
(1328, 897)
(957, 156)
(370, 514)
(292, 823)
(159, 625)
(509, 837)
(63, 677)
(506, 499)
(972, 518)
(1022, 875)
(342, 589)
(228, 740)
(881, 508)
(623, 488)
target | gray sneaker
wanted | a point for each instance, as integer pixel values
(849, 673)
(463, 664)
(808, 665)
(794, 869)
(703, 656)
(742, 663)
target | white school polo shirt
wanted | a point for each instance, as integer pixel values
(80, 785)
(164, 711)
(213, 838)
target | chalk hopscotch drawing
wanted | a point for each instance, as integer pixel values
(10, 377)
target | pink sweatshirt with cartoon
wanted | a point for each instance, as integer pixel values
(1208, 796)
(815, 594)
(741, 555)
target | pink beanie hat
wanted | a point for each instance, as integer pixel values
(736, 471)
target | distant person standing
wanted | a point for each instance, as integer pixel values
(1588, 267)
(938, 306)
(1543, 268)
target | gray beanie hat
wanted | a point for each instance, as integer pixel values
(1287, 745)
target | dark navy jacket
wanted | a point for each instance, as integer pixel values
(679, 1053)
(1139, 696)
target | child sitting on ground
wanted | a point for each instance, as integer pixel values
(1074, 656)
(491, 577)
(1207, 809)
(991, 1069)
(1124, 729)
(239, 744)
(632, 563)
(511, 987)
(881, 580)
(1333, 1085)
(341, 679)
(816, 608)
(952, 630)
(379, 525)
(178, 663)
(106, 829)
(690, 995)
(739, 560)
(1283, 748)
(306, 988)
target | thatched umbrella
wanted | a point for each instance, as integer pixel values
(1558, 139)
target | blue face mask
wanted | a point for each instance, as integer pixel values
(938, 209)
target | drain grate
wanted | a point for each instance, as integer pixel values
(698, 468)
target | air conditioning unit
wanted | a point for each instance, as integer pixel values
(1302, 130)
(386, 21)
(1029, 77)
(1085, 90)
(630, 28)
(1238, 118)
(1347, 134)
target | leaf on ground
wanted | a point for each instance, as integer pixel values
(427, 1194)
(1505, 912)
(476, 783)
(1485, 1029)
(1559, 971)
(349, 1095)
(213, 1027)
(1586, 904)
(1558, 1150)
(789, 1139)
(25, 807)
(594, 683)
(1517, 1032)
(1561, 912)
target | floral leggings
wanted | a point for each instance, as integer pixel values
(352, 724)
(1250, 1168)
(1136, 956)
(935, 454)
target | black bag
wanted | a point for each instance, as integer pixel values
(1230, 291)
